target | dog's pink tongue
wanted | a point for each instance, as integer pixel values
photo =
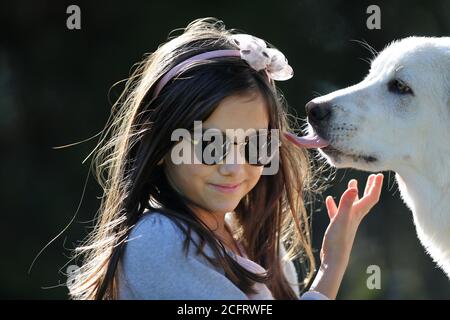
(309, 141)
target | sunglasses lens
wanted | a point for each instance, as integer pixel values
(258, 151)
(214, 148)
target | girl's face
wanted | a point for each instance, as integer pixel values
(201, 183)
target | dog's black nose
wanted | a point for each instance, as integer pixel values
(318, 112)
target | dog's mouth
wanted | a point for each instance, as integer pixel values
(337, 154)
(313, 140)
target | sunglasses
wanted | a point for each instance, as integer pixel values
(214, 145)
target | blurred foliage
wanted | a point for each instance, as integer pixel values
(55, 89)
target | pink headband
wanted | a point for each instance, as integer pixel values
(251, 49)
(199, 57)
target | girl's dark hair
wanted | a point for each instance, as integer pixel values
(138, 135)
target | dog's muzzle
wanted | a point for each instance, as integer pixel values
(319, 115)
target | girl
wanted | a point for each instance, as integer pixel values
(223, 227)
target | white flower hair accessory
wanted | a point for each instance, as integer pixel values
(254, 50)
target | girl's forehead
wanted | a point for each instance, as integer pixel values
(244, 111)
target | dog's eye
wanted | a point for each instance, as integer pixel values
(399, 87)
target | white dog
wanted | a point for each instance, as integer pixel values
(397, 118)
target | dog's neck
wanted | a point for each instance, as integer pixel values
(425, 189)
(426, 196)
(425, 185)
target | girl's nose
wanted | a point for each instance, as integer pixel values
(234, 161)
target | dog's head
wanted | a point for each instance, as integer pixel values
(392, 117)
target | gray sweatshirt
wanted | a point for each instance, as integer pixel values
(154, 266)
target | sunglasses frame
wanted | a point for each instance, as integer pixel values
(226, 146)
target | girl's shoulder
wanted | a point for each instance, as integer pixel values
(159, 235)
(153, 219)
(154, 242)
(155, 227)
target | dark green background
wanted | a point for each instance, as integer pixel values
(54, 86)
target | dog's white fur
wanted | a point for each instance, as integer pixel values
(407, 133)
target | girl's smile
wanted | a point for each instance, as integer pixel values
(226, 188)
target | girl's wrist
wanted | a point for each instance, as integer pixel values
(336, 262)
(335, 265)
(329, 277)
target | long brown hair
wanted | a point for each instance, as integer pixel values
(137, 136)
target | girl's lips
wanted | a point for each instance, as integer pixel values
(226, 188)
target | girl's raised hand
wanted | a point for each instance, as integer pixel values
(340, 234)
(345, 219)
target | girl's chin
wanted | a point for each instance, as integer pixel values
(223, 208)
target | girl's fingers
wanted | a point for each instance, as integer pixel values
(375, 190)
(369, 183)
(378, 185)
(354, 184)
(372, 197)
(350, 197)
(347, 199)
(331, 207)
(372, 186)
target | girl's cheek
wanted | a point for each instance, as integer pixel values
(189, 174)
(254, 174)
(257, 171)
(199, 174)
